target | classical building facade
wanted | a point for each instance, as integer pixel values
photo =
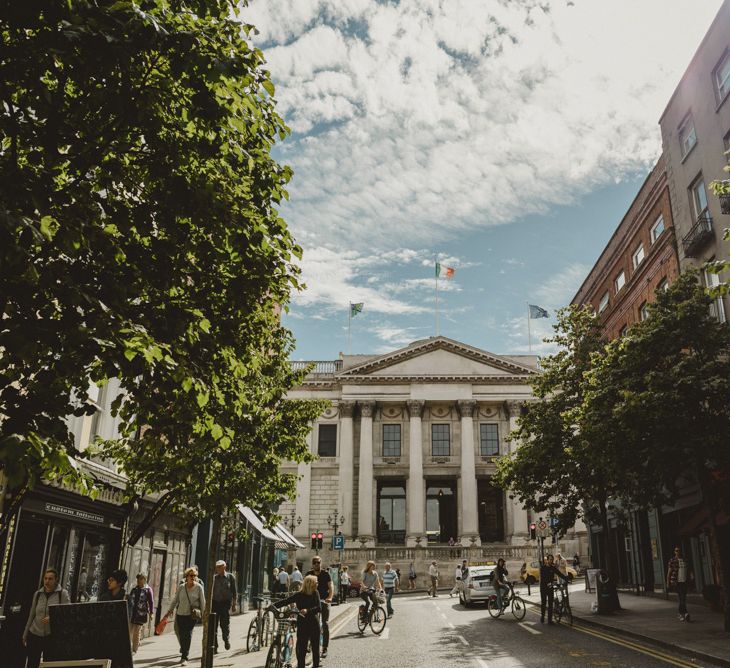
(407, 450)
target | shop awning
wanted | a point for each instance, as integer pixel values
(283, 540)
(290, 536)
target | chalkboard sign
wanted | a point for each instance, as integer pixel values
(91, 631)
(90, 663)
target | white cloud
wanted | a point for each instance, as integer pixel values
(560, 288)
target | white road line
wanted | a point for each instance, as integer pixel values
(463, 640)
(385, 635)
(525, 625)
(444, 616)
(482, 663)
(451, 625)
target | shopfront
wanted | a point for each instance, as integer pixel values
(55, 528)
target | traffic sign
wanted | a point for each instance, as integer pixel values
(338, 542)
(542, 524)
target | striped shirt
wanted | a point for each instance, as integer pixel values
(389, 579)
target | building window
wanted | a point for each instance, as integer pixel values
(687, 136)
(638, 257)
(391, 440)
(698, 195)
(440, 440)
(643, 311)
(327, 440)
(721, 76)
(657, 228)
(603, 304)
(663, 285)
(392, 512)
(488, 440)
(717, 308)
(620, 280)
(623, 331)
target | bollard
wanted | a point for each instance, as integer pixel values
(212, 633)
(528, 585)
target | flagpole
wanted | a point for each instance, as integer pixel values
(435, 267)
(349, 329)
(529, 333)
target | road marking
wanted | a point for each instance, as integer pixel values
(444, 616)
(463, 640)
(482, 663)
(385, 634)
(345, 617)
(451, 625)
(525, 625)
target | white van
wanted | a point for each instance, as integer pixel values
(477, 586)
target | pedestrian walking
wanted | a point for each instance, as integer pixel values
(576, 562)
(309, 606)
(325, 588)
(284, 580)
(548, 573)
(37, 632)
(275, 581)
(224, 602)
(433, 573)
(457, 581)
(499, 582)
(296, 579)
(115, 586)
(390, 584)
(370, 581)
(141, 606)
(345, 581)
(189, 602)
(561, 564)
(677, 576)
(411, 576)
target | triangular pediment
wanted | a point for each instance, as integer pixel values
(439, 357)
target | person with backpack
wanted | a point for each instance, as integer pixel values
(141, 608)
(37, 632)
(224, 601)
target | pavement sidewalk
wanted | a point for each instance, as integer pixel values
(655, 620)
(164, 651)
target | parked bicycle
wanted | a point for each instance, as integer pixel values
(561, 603)
(517, 603)
(261, 627)
(376, 616)
(281, 652)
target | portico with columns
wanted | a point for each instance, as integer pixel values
(407, 449)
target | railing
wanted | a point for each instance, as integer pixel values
(320, 368)
(440, 553)
(699, 235)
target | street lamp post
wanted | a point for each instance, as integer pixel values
(292, 522)
(335, 520)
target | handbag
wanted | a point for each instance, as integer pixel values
(160, 628)
(196, 614)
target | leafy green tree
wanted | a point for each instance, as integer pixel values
(137, 209)
(556, 469)
(661, 394)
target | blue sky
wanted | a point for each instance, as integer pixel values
(508, 137)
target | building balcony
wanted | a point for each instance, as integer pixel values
(699, 236)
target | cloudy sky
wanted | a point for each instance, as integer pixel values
(506, 137)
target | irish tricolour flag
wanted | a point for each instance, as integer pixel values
(442, 271)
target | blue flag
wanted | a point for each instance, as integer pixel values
(537, 312)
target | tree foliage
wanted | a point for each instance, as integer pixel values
(139, 237)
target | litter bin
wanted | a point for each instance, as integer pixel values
(604, 593)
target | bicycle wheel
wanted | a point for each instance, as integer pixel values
(362, 620)
(377, 620)
(519, 609)
(273, 659)
(493, 607)
(253, 641)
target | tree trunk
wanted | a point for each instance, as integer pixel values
(609, 560)
(210, 576)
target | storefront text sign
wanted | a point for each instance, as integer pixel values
(74, 513)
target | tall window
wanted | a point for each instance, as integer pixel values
(687, 135)
(488, 440)
(663, 285)
(657, 228)
(698, 195)
(721, 76)
(391, 440)
(638, 257)
(603, 304)
(440, 440)
(392, 512)
(643, 311)
(620, 280)
(717, 308)
(327, 441)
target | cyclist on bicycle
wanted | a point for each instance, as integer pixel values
(309, 607)
(499, 581)
(370, 584)
(548, 571)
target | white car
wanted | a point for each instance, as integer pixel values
(477, 586)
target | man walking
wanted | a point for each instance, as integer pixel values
(224, 601)
(548, 572)
(390, 584)
(37, 632)
(326, 590)
(296, 579)
(677, 574)
(433, 573)
(284, 580)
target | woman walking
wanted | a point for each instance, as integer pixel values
(141, 607)
(344, 584)
(37, 632)
(189, 601)
(309, 606)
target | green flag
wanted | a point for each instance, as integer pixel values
(356, 308)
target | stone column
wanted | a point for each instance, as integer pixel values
(365, 481)
(469, 519)
(517, 520)
(416, 483)
(304, 482)
(347, 466)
